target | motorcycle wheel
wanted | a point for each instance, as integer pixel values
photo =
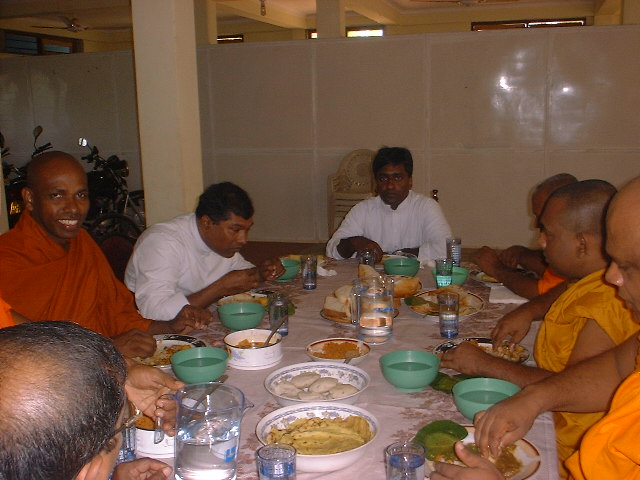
(136, 199)
(112, 224)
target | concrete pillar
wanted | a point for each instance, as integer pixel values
(205, 13)
(168, 112)
(330, 18)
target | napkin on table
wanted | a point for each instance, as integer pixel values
(324, 272)
(501, 294)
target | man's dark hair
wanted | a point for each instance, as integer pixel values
(221, 199)
(393, 156)
(62, 393)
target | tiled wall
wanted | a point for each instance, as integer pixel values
(486, 115)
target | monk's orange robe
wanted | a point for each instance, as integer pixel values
(43, 281)
(549, 280)
(589, 298)
(610, 449)
(6, 319)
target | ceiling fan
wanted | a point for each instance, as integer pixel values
(467, 3)
(72, 25)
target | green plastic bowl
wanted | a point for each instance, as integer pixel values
(409, 370)
(291, 269)
(199, 364)
(241, 315)
(402, 266)
(477, 394)
(458, 277)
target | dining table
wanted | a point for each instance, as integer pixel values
(400, 414)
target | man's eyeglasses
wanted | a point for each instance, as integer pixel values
(396, 177)
(130, 421)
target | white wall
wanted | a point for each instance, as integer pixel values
(486, 115)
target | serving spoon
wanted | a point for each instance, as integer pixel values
(273, 331)
(350, 355)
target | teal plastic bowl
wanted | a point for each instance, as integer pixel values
(199, 364)
(291, 269)
(458, 277)
(402, 266)
(241, 315)
(477, 394)
(409, 370)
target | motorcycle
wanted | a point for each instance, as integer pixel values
(15, 178)
(114, 210)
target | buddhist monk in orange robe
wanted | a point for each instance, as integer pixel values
(50, 268)
(587, 319)
(609, 450)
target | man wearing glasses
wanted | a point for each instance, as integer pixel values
(396, 219)
(62, 411)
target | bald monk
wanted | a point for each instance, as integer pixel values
(609, 450)
(50, 268)
(584, 321)
(503, 266)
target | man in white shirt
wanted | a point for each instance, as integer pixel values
(396, 219)
(194, 259)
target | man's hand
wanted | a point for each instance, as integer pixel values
(504, 423)
(142, 469)
(135, 343)
(465, 358)
(348, 246)
(271, 269)
(487, 259)
(190, 318)
(512, 256)
(477, 467)
(239, 281)
(513, 327)
(146, 385)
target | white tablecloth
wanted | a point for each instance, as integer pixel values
(401, 414)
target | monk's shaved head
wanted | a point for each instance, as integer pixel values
(57, 195)
(545, 188)
(41, 165)
(585, 205)
(623, 244)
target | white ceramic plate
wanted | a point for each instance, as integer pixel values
(519, 356)
(316, 348)
(347, 374)
(525, 451)
(470, 303)
(282, 417)
(168, 344)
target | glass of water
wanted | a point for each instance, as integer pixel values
(276, 461)
(444, 272)
(449, 303)
(405, 461)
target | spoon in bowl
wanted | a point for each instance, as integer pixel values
(273, 331)
(350, 355)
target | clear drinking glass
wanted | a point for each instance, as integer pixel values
(405, 461)
(444, 271)
(449, 304)
(276, 461)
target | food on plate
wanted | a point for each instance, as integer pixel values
(337, 306)
(162, 355)
(297, 257)
(145, 423)
(487, 278)
(337, 350)
(323, 436)
(469, 303)
(367, 271)
(311, 386)
(439, 437)
(518, 354)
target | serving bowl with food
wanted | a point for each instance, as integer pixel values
(166, 346)
(516, 462)
(145, 446)
(516, 353)
(247, 350)
(337, 350)
(317, 382)
(327, 436)
(250, 296)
